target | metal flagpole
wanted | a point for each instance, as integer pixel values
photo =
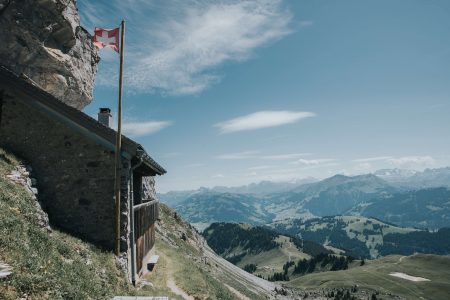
(119, 143)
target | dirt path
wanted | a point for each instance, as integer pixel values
(176, 290)
(400, 260)
(290, 246)
(237, 293)
(169, 280)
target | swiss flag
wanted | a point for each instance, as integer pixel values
(106, 38)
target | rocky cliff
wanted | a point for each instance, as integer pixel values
(43, 39)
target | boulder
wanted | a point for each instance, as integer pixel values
(43, 39)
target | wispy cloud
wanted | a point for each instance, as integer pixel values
(262, 119)
(398, 162)
(412, 161)
(371, 159)
(218, 176)
(312, 162)
(256, 168)
(238, 155)
(284, 156)
(137, 129)
(177, 49)
(258, 155)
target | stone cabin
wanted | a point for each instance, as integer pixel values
(72, 156)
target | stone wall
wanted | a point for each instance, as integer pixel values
(75, 174)
(148, 189)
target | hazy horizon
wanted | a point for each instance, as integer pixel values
(297, 180)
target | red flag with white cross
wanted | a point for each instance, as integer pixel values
(106, 38)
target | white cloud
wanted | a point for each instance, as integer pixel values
(284, 156)
(398, 162)
(312, 162)
(412, 161)
(175, 46)
(218, 176)
(263, 119)
(371, 159)
(256, 168)
(136, 129)
(257, 155)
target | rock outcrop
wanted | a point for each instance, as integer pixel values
(43, 39)
(22, 176)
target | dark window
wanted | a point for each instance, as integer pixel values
(137, 188)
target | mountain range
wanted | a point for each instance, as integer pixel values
(410, 179)
(406, 198)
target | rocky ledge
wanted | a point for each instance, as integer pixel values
(43, 39)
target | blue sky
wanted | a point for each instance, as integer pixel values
(233, 92)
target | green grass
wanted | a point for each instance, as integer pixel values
(269, 262)
(374, 275)
(49, 265)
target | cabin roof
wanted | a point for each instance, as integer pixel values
(84, 124)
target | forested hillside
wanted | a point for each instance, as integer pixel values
(425, 208)
(367, 237)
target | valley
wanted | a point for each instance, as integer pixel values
(322, 272)
(365, 236)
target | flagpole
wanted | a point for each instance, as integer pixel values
(119, 143)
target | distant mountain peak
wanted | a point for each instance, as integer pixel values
(415, 179)
(340, 179)
(394, 173)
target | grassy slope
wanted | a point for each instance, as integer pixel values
(48, 265)
(374, 276)
(59, 266)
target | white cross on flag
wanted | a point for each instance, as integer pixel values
(106, 38)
